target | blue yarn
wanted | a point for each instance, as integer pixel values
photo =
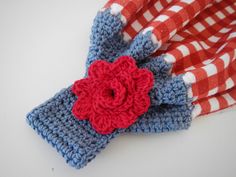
(107, 43)
(76, 140)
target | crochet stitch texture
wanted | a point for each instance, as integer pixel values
(75, 139)
(113, 95)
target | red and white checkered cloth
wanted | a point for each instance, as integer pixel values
(197, 36)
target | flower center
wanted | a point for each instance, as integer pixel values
(109, 93)
(112, 93)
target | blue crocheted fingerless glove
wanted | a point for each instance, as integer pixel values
(75, 139)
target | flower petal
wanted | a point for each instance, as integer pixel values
(99, 69)
(141, 104)
(81, 87)
(126, 79)
(143, 79)
(124, 119)
(124, 63)
(82, 108)
(127, 105)
(102, 123)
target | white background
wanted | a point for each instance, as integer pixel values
(43, 47)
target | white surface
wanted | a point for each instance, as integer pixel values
(43, 47)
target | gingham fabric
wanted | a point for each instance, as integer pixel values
(197, 36)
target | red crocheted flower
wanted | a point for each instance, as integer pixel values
(113, 95)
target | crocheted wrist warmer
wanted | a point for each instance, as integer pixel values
(76, 140)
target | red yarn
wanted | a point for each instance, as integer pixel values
(113, 95)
